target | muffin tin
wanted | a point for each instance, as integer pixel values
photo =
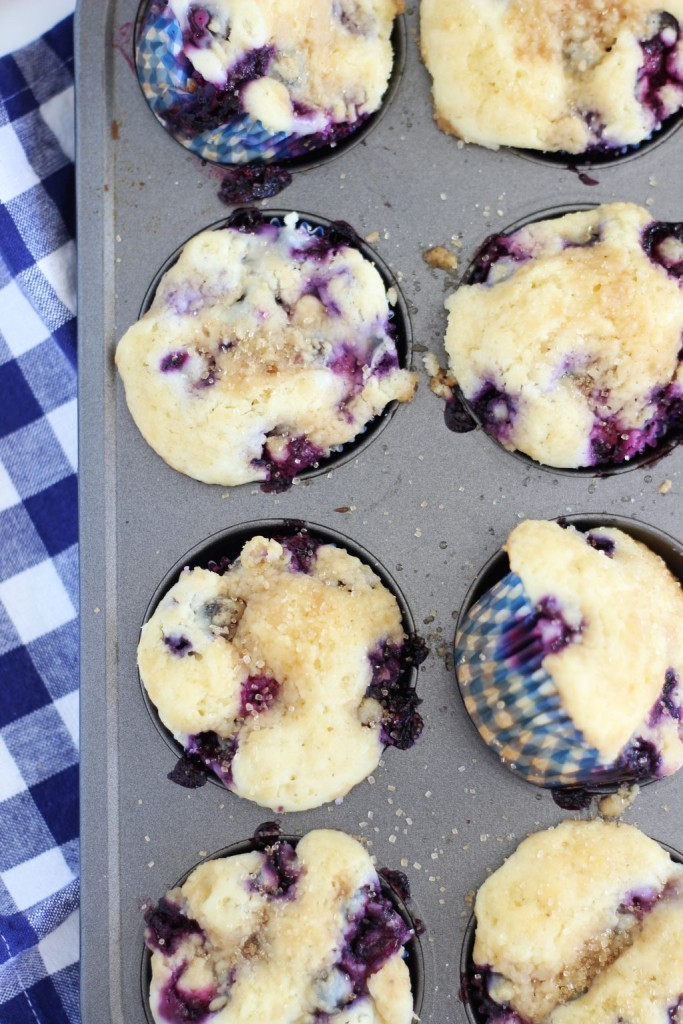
(431, 505)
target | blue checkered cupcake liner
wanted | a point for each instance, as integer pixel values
(164, 74)
(512, 699)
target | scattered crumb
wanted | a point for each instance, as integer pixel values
(440, 380)
(666, 487)
(372, 236)
(438, 256)
(614, 805)
(392, 296)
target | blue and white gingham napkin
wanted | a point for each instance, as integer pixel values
(38, 537)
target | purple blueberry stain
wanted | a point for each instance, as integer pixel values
(639, 903)
(475, 984)
(178, 645)
(375, 933)
(653, 240)
(669, 703)
(640, 759)
(494, 249)
(674, 1012)
(205, 753)
(386, 364)
(495, 409)
(659, 69)
(203, 106)
(302, 549)
(391, 663)
(258, 694)
(537, 634)
(611, 442)
(180, 1006)
(601, 543)
(300, 453)
(196, 34)
(279, 872)
(174, 361)
(168, 926)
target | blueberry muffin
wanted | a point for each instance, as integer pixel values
(267, 346)
(566, 340)
(285, 673)
(281, 934)
(243, 80)
(570, 675)
(554, 75)
(583, 924)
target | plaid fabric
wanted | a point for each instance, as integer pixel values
(38, 537)
(511, 698)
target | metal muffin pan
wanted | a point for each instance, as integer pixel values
(432, 506)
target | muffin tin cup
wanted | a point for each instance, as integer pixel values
(414, 955)
(539, 758)
(242, 140)
(649, 457)
(403, 332)
(467, 952)
(228, 544)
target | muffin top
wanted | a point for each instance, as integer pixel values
(281, 935)
(622, 613)
(297, 68)
(583, 923)
(554, 75)
(284, 673)
(266, 345)
(566, 341)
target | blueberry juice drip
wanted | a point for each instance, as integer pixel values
(542, 632)
(375, 934)
(205, 753)
(300, 453)
(474, 991)
(248, 183)
(457, 416)
(390, 662)
(168, 926)
(495, 409)
(659, 69)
